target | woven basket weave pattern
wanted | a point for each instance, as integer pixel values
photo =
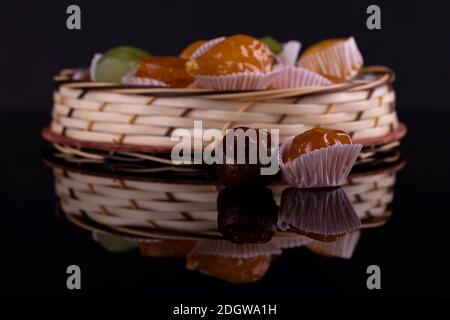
(96, 112)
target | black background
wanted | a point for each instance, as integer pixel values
(36, 43)
(412, 249)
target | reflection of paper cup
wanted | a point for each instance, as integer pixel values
(342, 248)
(340, 61)
(290, 242)
(242, 81)
(326, 167)
(137, 240)
(324, 215)
(229, 249)
(295, 77)
(289, 55)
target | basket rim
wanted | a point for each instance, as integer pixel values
(50, 136)
(387, 76)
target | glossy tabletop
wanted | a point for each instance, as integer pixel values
(410, 246)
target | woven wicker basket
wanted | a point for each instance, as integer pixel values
(155, 209)
(140, 120)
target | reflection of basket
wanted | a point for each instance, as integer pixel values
(161, 209)
(141, 120)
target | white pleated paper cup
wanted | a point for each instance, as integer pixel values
(93, 65)
(242, 81)
(340, 61)
(131, 79)
(289, 55)
(321, 212)
(81, 75)
(195, 85)
(295, 77)
(229, 249)
(205, 47)
(326, 167)
(143, 81)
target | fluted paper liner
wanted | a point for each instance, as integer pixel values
(229, 249)
(289, 55)
(195, 85)
(205, 47)
(319, 212)
(340, 61)
(295, 77)
(143, 81)
(326, 167)
(241, 81)
(93, 65)
(342, 248)
(131, 79)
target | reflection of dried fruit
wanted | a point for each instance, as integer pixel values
(247, 216)
(114, 243)
(231, 269)
(190, 49)
(166, 248)
(239, 53)
(342, 248)
(170, 70)
(313, 139)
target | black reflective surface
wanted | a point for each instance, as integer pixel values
(411, 248)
